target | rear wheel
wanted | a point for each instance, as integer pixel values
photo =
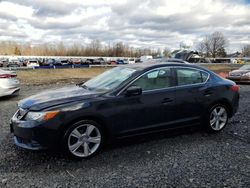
(83, 139)
(218, 118)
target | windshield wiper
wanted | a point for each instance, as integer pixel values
(81, 84)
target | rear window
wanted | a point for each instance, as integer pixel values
(190, 76)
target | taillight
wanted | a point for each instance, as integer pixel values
(7, 76)
(235, 88)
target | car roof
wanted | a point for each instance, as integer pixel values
(164, 59)
(150, 65)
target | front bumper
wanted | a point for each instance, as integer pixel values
(9, 91)
(35, 135)
(239, 79)
(27, 144)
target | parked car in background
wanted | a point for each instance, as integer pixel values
(52, 62)
(57, 62)
(4, 62)
(240, 75)
(32, 63)
(76, 61)
(99, 61)
(13, 63)
(145, 58)
(120, 62)
(9, 85)
(112, 62)
(25, 61)
(129, 61)
(48, 62)
(124, 101)
(199, 60)
(65, 62)
(89, 61)
(137, 60)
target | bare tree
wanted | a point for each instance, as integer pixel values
(218, 43)
(246, 50)
(95, 47)
(213, 45)
(201, 48)
(17, 50)
(167, 52)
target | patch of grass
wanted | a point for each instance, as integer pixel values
(49, 76)
(222, 67)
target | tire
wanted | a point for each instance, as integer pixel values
(83, 139)
(217, 118)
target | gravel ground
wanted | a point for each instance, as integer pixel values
(190, 158)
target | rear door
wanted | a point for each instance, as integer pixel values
(191, 93)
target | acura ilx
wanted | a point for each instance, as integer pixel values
(125, 101)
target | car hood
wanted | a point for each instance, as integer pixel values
(240, 71)
(56, 97)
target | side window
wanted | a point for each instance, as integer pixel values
(156, 79)
(204, 76)
(190, 76)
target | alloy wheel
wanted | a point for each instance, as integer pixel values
(84, 140)
(218, 118)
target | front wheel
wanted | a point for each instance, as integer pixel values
(218, 118)
(83, 139)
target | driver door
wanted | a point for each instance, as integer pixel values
(154, 108)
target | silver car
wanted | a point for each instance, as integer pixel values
(9, 85)
(240, 75)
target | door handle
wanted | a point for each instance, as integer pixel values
(207, 93)
(167, 100)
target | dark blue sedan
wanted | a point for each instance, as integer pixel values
(124, 101)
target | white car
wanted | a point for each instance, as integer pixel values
(129, 61)
(33, 63)
(145, 58)
(9, 85)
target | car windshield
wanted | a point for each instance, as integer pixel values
(109, 79)
(245, 67)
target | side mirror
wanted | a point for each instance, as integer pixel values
(133, 91)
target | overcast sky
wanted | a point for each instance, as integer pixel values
(139, 23)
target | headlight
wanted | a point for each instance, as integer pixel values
(41, 116)
(246, 74)
(75, 107)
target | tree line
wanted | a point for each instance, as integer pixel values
(213, 45)
(95, 48)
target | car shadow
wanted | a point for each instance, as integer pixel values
(4, 98)
(150, 137)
